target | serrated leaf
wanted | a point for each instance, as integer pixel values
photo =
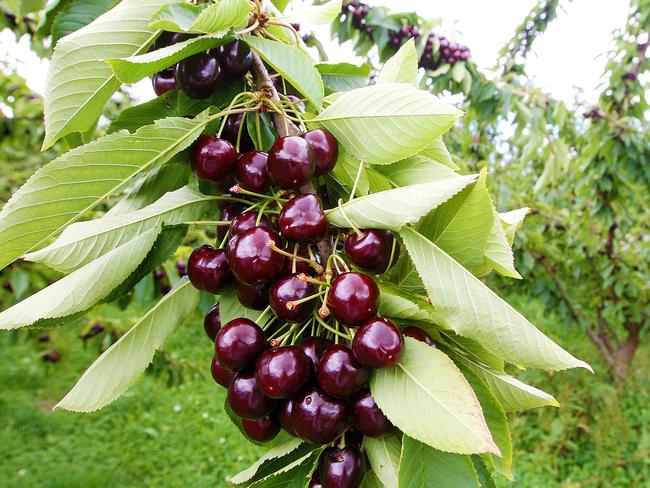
(395, 208)
(399, 304)
(340, 77)
(345, 172)
(81, 290)
(382, 124)
(384, 455)
(484, 476)
(472, 310)
(52, 9)
(498, 253)
(83, 242)
(296, 474)
(402, 67)
(512, 221)
(438, 152)
(78, 14)
(370, 480)
(426, 396)
(293, 64)
(79, 82)
(316, 14)
(425, 467)
(277, 452)
(415, 170)
(121, 364)
(221, 16)
(62, 191)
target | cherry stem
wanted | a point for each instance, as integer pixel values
(263, 316)
(294, 303)
(289, 27)
(222, 223)
(356, 181)
(347, 219)
(240, 191)
(309, 279)
(330, 328)
(392, 254)
(317, 267)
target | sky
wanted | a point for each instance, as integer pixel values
(566, 58)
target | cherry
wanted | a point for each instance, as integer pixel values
(208, 269)
(287, 290)
(262, 430)
(220, 374)
(302, 219)
(245, 221)
(212, 158)
(164, 81)
(296, 102)
(212, 322)
(239, 343)
(164, 39)
(291, 162)
(251, 257)
(228, 214)
(246, 399)
(282, 371)
(367, 418)
(317, 417)
(314, 347)
(236, 58)
(378, 343)
(285, 417)
(342, 468)
(371, 251)
(326, 150)
(231, 133)
(339, 372)
(315, 481)
(353, 298)
(419, 335)
(198, 75)
(255, 297)
(300, 266)
(252, 172)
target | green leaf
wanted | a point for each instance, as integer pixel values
(382, 124)
(293, 64)
(73, 103)
(458, 72)
(68, 187)
(279, 452)
(295, 474)
(52, 9)
(81, 290)
(217, 17)
(370, 480)
(280, 4)
(395, 208)
(399, 304)
(428, 398)
(231, 308)
(402, 67)
(121, 364)
(484, 476)
(78, 14)
(472, 310)
(512, 221)
(384, 455)
(498, 253)
(83, 242)
(438, 152)
(425, 467)
(316, 14)
(134, 68)
(415, 170)
(345, 172)
(342, 77)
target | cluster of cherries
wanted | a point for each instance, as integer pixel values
(449, 52)
(358, 11)
(399, 37)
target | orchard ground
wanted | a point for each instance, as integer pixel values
(170, 428)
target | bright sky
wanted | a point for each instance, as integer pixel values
(567, 57)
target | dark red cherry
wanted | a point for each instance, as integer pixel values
(302, 219)
(353, 298)
(314, 347)
(164, 39)
(255, 297)
(252, 260)
(296, 266)
(208, 269)
(342, 468)
(371, 251)
(164, 81)
(212, 158)
(291, 162)
(315, 481)
(231, 133)
(247, 220)
(285, 416)
(378, 343)
(262, 430)
(212, 322)
(326, 150)
(339, 372)
(236, 58)
(239, 343)
(228, 215)
(285, 292)
(246, 399)
(220, 373)
(198, 76)
(252, 172)
(419, 335)
(282, 371)
(319, 418)
(367, 418)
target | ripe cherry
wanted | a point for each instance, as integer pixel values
(302, 219)
(231, 133)
(164, 39)
(339, 372)
(367, 418)
(372, 250)
(296, 266)
(198, 75)
(252, 259)
(285, 417)
(246, 399)
(353, 298)
(247, 220)
(252, 172)
(228, 214)
(208, 269)
(342, 468)
(221, 375)
(236, 58)
(255, 297)
(419, 335)
(212, 158)
(262, 430)
(319, 418)
(314, 347)
(326, 150)
(285, 292)
(315, 481)
(212, 322)
(164, 81)
(378, 343)
(239, 343)
(291, 162)
(282, 371)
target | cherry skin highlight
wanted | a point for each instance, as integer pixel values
(252, 172)
(285, 292)
(353, 298)
(291, 162)
(208, 269)
(367, 418)
(236, 58)
(212, 322)
(239, 343)
(213, 158)
(372, 251)
(262, 430)
(302, 219)
(199, 75)
(246, 399)
(339, 372)
(319, 418)
(378, 343)
(326, 150)
(251, 258)
(282, 372)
